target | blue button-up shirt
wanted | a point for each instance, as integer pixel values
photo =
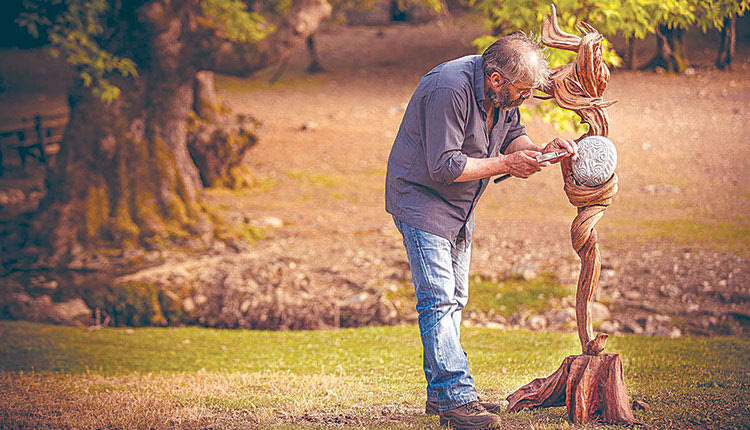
(443, 125)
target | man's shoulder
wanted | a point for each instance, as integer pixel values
(456, 75)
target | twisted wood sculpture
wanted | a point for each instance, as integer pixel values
(590, 385)
(579, 86)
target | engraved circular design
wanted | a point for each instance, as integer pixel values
(597, 159)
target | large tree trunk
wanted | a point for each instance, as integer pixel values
(124, 176)
(728, 42)
(670, 51)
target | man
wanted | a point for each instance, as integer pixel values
(461, 127)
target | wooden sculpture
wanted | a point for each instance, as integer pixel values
(591, 385)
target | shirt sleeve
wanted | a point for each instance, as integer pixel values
(445, 125)
(515, 130)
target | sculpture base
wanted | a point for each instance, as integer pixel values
(591, 386)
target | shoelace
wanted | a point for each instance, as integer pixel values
(474, 407)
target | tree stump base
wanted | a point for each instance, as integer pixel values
(591, 386)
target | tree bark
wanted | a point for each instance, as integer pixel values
(124, 176)
(591, 387)
(670, 51)
(315, 66)
(217, 138)
(631, 60)
(728, 42)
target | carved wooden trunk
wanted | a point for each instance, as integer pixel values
(592, 388)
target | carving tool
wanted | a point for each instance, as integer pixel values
(541, 158)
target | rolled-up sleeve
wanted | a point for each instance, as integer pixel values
(515, 130)
(445, 125)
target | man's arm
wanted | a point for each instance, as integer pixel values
(519, 160)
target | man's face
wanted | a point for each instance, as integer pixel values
(506, 95)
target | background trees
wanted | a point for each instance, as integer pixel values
(631, 19)
(125, 176)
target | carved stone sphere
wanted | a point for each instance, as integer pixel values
(597, 159)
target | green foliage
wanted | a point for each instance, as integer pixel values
(237, 23)
(81, 30)
(73, 28)
(711, 13)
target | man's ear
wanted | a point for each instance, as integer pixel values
(496, 79)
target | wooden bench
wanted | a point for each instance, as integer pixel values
(38, 137)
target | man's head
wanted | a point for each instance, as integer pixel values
(514, 66)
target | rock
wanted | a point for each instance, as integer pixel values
(71, 310)
(495, 325)
(527, 270)
(609, 327)
(641, 405)
(669, 290)
(536, 322)
(43, 309)
(245, 306)
(357, 298)
(188, 305)
(632, 327)
(599, 312)
(632, 295)
(272, 222)
(309, 126)
(558, 317)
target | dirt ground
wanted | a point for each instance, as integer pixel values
(674, 242)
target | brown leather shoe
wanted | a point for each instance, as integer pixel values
(432, 408)
(471, 416)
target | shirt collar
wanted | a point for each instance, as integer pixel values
(479, 81)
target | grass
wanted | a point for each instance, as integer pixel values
(512, 295)
(501, 297)
(63, 377)
(722, 235)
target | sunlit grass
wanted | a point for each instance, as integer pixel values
(353, 378)
(372, 375)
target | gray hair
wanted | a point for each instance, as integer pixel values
(517, 57)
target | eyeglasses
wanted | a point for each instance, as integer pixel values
(524, 94)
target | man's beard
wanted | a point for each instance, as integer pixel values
(502, 100)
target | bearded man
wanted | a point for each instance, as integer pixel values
(461, 127)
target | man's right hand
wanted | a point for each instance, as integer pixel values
(523, 164)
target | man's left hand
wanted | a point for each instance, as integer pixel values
(562, 145)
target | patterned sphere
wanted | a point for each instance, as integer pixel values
(597, 159)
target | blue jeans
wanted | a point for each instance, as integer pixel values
(440, 273)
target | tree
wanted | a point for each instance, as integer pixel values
(722, 15)
(674, 17)
(124, 177)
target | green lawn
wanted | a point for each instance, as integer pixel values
(196, 378)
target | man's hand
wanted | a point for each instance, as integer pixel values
(560, 144)
(523, 164)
